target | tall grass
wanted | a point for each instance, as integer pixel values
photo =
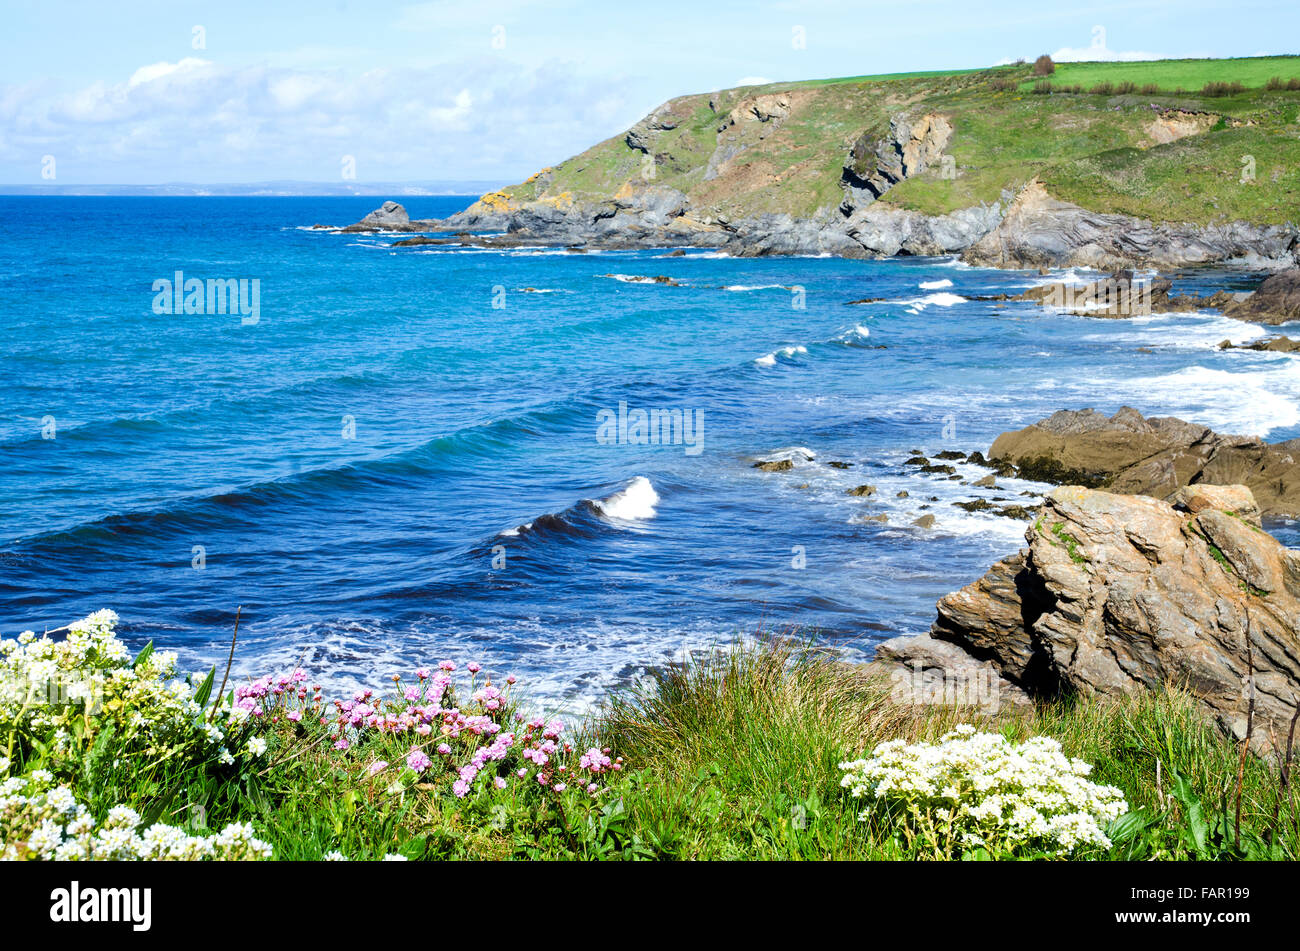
(767, 725)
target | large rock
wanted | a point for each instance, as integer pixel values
(1118, 594)
(1275, 301)
(388, 215)
(1131, 454)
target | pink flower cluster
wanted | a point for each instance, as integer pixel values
(279, 695)
(469, 744)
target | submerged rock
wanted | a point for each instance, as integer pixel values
(1117, 594)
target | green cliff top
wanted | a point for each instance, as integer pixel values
(1149, 139)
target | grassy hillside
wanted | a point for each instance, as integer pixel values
(1185, 74)
(1168, 149)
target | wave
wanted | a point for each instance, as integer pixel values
(769, 359)
(483, 441)
(755, 287)
(1252, 403)
(634, 503)
(942, 299)
(935, 285)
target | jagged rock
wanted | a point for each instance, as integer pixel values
(775, 465)
(876, 165)
(1117, 594)
(1274, 344)
(1275, 301)
(863, 491)
(924, 670)
(1130, 454)
(925, 521)
(389, 216)
(1039, 230)
(1234, 499)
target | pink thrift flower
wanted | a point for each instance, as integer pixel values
(460, 788)
(418, 761)
(499, 783)
(376, 767)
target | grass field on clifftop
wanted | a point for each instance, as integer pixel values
(1163, 150)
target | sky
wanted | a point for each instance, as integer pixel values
(157, 91)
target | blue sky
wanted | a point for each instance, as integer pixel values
(131, 92)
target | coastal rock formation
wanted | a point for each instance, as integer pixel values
(1275, 301)
(1041, 231)
(1131, 454)
(1272, 344)
(873, 167)
(1117, 594)
(867, 167)
(388, 215)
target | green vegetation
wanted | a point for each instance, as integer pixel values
(736, 755)
(1179, 74)
(1184, 140)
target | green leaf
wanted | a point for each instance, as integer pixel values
(1129, 826)
(205, 689)
(144, 654)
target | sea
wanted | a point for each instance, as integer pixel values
(538, 460)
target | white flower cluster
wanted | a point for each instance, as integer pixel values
(980, 790)
(38, 821)
(50, 688)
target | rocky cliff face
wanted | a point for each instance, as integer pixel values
(964, 163)
(1041, 231)
(1131, 454)
(1117, 594)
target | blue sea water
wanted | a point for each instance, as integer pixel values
(399, 460)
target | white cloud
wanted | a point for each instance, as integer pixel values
(195, 120)
(148, 74)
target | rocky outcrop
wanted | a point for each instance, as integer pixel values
(1275, 301)
(876, 165)
(1118, 594)
(389, 215)
(1272, 344)
(1156, 457)
(1041, 231)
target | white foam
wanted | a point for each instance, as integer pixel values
(1252, 403)
(1197, 330)
(635, 502)
(941, 299)
(753, 287)
(935, 285)
(769, 359)
(793, 453)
